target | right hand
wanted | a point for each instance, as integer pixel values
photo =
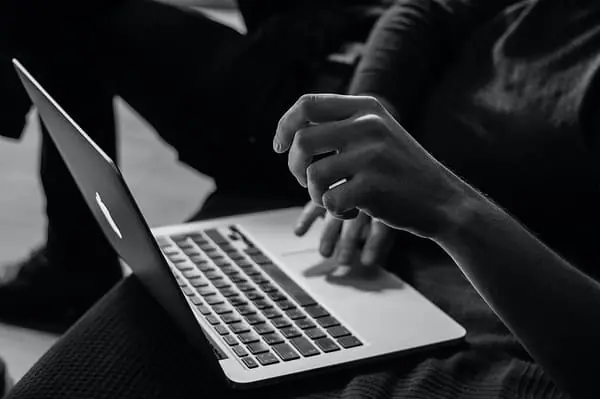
(347, 240)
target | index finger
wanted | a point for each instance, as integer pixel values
(317, 108)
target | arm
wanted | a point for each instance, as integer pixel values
(411, 44)
(548, 304)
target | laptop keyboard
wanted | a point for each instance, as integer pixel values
(262, 314)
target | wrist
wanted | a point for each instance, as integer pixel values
(458, 213)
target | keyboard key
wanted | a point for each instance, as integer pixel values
(258, 347)
(221, 262)
(272, 313)
(212, 319)
(249, 362)
(305, 324)
(206, 291)
(246, 287)
(238, 280)
(206, 267)
(273, 338)
(198, 259)
(221, 284)
(285, 352)
(204, 310)
(254, 319)
(196, 300)
(316, 311)
(276, 295)
(178, 259)
(229, 271)
(235, 255)
(252, 272)
(229, 318)
(259, 279)
(192, 251)
(216, 236)
(236, 301)
(253, 251)
(243, 263)
(248, 337)
(327, 345)
(213, 276)
(162, 241)
(192, 273)
(338, 331)
(254, 296)
(304, 346)
(262, 304)
(227, 247)
(184, 267)
(263, 328)
(240, 351)
(290, 332)
(268, 288)
(238, 328)
(222, 309)
(281, 322)
(215, 256)
(214, 300)
(286, 305)
(314, 333)
(198, 282)
(230, 339)
(295, 314)
(221, 329)
(260, 259)
(188, 291)
(267, 358)
(328, 321)
(246, 310)
(228, 292)
(349, 341)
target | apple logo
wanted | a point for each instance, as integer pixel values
(107, 215)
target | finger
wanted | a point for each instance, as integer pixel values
(309, 214)
(318, 108)
(349, 242)
(323, 139)
(329, 172)
(378, 244)
(330, 235)
(343, 200)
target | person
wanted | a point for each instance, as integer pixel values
(187, 76)
(506, 104)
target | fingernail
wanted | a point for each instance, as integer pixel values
(276, 146)
(344, 257)
(368, 258)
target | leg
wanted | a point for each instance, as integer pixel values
(51, 288)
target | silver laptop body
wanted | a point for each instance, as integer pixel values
(250, 296)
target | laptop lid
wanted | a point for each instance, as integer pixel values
(115, 210)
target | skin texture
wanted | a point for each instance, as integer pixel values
(546, 302)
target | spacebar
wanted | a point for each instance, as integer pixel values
(287, 284)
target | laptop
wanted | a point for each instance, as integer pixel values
(253, 299)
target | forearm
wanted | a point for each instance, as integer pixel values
(548, 304)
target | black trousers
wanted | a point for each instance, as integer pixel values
(213, 94)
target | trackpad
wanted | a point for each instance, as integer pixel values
(330, 278)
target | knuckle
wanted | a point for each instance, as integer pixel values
(374, 104)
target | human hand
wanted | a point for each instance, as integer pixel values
(384, 172)
(362, 237)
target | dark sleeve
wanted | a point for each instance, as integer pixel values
(412, 42)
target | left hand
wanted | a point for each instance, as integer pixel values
(385, 173)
